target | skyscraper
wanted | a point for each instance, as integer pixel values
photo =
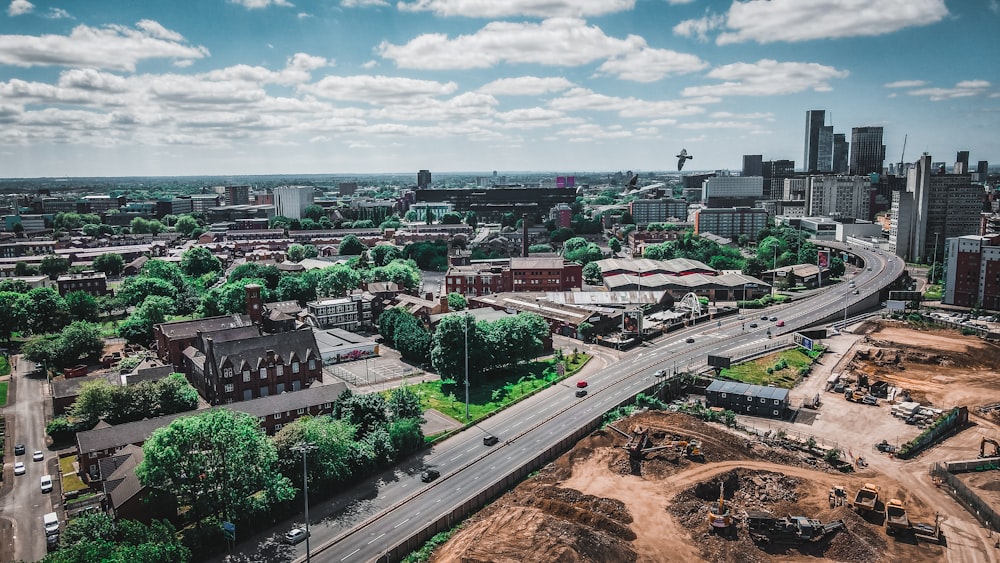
(867, 150)
(983, 170)
(423, 179)
(840, 153)
(961, 163)
(753, 165)
(775, 172)
(291, 201)
(815, 119)
(824, 152)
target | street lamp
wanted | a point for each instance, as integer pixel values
(305, 448)
(934, 265)
(465, 319)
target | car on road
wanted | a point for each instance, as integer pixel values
(295, 535)
(660, 373)
(856, 292)
(46, 483)
(779, 323)
(763, 318)
(19, 449)
(581, 384)
(19, 468)
(753, 325)
(689, 340)
(490, 440)
(581, 392)
(429, 475)
(38, 455)
(772, 319)
(869, 268)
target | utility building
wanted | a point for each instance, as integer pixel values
(743, 398)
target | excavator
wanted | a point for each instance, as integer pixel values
(719, 516)
(982, 447)
(639, 443)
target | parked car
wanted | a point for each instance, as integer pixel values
(19, 449)
(490, 440)
(46, 483)
(581, 392)
(38, 455)
(19, 468)
(429, 475)
(581, 384)
(295, 535)
(855, 292)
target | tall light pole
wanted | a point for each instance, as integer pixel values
(305, 448)
(465, 319)
(934, 265)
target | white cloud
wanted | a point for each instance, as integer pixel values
(510, 8)
(995, 6)
(369, 64)
(717, 125)
(58, 14)
(905, 84)
(769, 21)
(679, 2)
(535, 118)
(767, 77)
(582, 99)
(19, 8)
(554, 42)
(376, 89)
(963, 89)
(650, 65)
(362, 3)
(699, 28)
(766, 115)
(525, 86)
(256, 4)
(113, 47)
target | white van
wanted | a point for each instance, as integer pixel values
(46, 483)
(51, 521)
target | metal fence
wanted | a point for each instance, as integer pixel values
(982, 510)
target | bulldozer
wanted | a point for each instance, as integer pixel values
(982, 447)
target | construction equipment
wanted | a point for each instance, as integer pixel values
(927, 532)
(867, 498)
(719, 517)
(982, 447)
(837, 496)
(639, 443)
(895, 517)
(764, 527)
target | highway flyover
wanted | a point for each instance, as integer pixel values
(389, 515)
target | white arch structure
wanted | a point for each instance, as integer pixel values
(691, 303)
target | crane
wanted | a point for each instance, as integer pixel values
(903, 155)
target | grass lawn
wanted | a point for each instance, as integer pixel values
(448, 397)
(755, 371)
(4, 366)
(933, 293)
(3, 393)
(70, 480)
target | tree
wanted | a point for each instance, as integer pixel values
(412, 340)
(82, 306)
(138, 328)
(365, 412)
(80, 341)
(615, 245)
(53, 265)
(199, 260)
(753, 267)
(110, 264)
(456, 301)
(92, 403)
(186, 225)
(627, 218)
(46, 310)
(166, 271)
(406, 435)
(336, 281)
(383, 254)
(592, 273)
(314, 212)
(429, 216)
(310, 251)
(13, 313)
(96, 537)
(351, 245)
(837, 268)
(451, 218)
(231, 298)
(270, 274)
(135, 289)
(296, 252)
(176, 394)
(448, 347)
(217, 462)
(471, 219)
(333, 461)
(562, 234)
(404, 403)
(585, 329)
(296, 288)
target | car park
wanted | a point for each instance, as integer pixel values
(46, 483)
(581, 384)
(581, 392)
(295, 535)
(19, 468)
(490, 440)
(38, 455)
(19, 449)
(429, 475)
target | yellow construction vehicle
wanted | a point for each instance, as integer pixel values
(719, 517)
(866, 499)
(895, 517)
(982, 447)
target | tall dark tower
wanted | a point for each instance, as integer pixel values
(524, 235)
(753, 165)
(867, 150)
(255, 307)
(815, 118)
(961, 163)
(841, 150)
(423, 179)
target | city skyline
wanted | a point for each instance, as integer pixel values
(224, 87)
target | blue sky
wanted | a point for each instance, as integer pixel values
(157, 87)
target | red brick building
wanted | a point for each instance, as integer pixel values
(520, 275)
(972, 272)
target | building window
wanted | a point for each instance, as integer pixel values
(279, 370)
(93, 455)
(723, 395)
(312, 364)
(261, 419)
(300, 411)
(277, 416)
(776, 401)
(327, 405)
(263, 373)
(246, 376)
(278, 427)
(295, 367)
(227, 372)
(229, 387)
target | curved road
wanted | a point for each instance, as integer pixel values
(370, 519)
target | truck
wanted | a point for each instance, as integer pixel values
(867, 498)
(895, 517)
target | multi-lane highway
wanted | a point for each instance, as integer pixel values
(382, 514)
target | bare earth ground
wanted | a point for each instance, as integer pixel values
(595, 504)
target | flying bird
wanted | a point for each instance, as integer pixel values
(681, 158)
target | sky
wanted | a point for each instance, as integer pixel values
(193, 87)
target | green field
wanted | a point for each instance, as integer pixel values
(786, 368)
(3, 393)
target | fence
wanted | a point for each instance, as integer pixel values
(955, 418)
(979, 508)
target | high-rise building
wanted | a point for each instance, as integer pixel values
(237, 195)
(824, 154)
(645, 211)
(815, 119)
(775, 172)
(838, 196)
(423, 179)
(348, 188)
(753, 165)
(961, 163)
(867, 150)
(840, 153)
(971, 270)
(731, 222)
(291, 201)
(729, 191)
(982, 171)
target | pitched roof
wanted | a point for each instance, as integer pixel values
(297, 344)
(62, 388)
(189, 329)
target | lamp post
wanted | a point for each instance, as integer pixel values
(305, 448)
(934, 265)
(465, 319)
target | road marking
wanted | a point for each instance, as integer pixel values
(458, 489)
(401, 523)
(348, 556)
(493, 466)
(471, 449)
(375, 538)
(437, 501)
(456, 457)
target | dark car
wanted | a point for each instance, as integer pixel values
(490, 440)
(581, 392)
(429, 475)
(753, 325)
(763, 317)
(295, 535)
(19, 449)
(689, 340)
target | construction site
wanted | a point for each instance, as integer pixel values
(665, 486)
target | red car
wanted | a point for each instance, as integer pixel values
(780, 323)
(581, 384)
